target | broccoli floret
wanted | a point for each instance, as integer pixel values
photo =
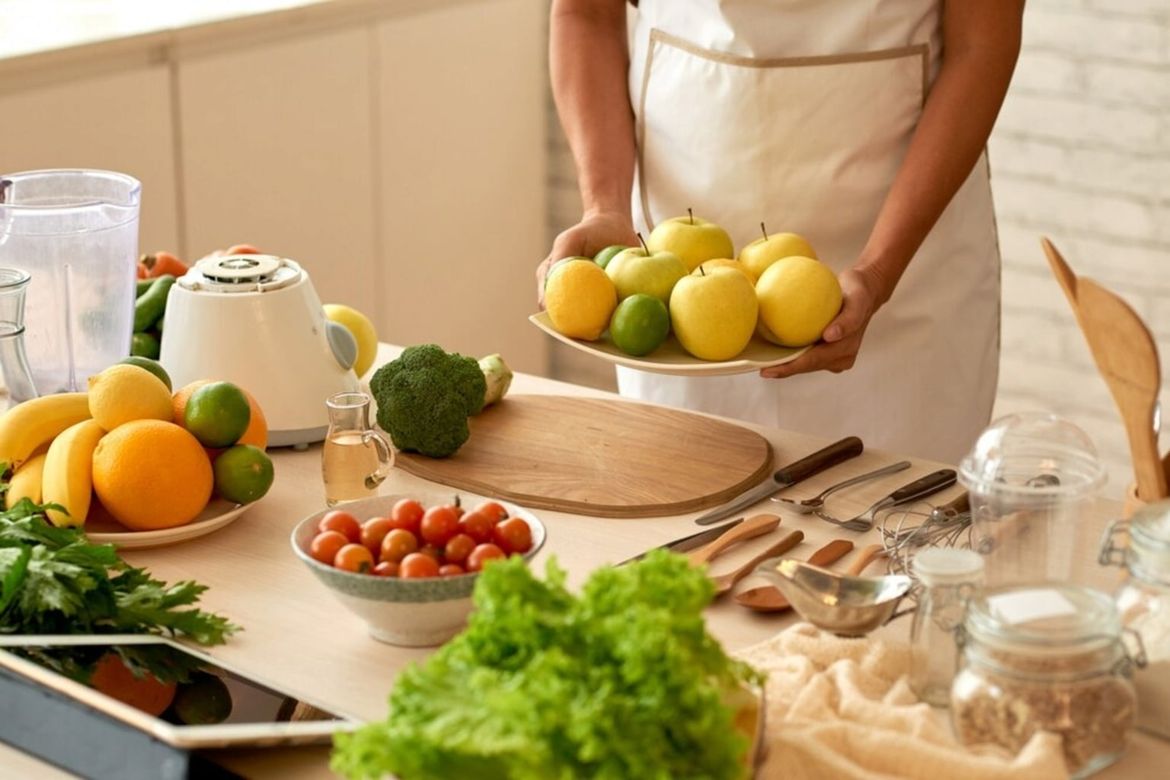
(425, 397)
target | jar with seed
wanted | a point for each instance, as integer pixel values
(1144, 602)
(1046, 657)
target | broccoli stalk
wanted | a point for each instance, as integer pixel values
(425, 397)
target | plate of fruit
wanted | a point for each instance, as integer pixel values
(684, 303)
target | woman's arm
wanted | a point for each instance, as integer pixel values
(589, 61)
(981, 41)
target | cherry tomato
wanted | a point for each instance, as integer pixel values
(481, 555)
(439, 524)
(451, 570)
(242, 249)
(354, 557)
(407, 514)
(374, 531)
(386, 569)
(493, 510)
(458, 548)
(418, 565)
(477, 525)
(397, 544)
(342, 522)
(432, 551)
(513, 536)
(325, 545)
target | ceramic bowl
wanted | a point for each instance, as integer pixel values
(405, 612)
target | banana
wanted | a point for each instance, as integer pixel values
(68, 477)
(26, 482)
(29, 425)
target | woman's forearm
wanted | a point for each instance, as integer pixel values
(981, 41)
(589, 61)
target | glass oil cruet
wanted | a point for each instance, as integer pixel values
(356, 458)
(13, 361)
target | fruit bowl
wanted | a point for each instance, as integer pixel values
(671, 358)
(406, 612)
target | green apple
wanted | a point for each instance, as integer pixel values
(559, 264)
(798, 298)
(636, 270)
(692, 239)
(603, 257)
(764, 251)
(714, 315)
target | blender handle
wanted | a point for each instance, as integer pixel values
(385, 458)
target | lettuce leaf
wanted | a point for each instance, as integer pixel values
(622, 681)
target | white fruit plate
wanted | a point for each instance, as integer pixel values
(671, 358)
(217, 514)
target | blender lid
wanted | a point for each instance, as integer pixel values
(241, 274)
(1033, 454)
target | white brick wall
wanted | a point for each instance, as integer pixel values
(1082, 154)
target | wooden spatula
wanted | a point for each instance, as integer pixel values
(748, 529)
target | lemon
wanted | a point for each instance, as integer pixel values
(798, 298)
(580, 299)
(363, 332)
(153, 366)
(123, 393)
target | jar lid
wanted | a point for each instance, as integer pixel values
(1033, 455)
(1043, 618)
(947, 566)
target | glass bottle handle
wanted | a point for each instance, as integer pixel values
(385, 457)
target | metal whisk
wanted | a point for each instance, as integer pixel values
(908, 528)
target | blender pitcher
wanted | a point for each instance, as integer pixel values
(75, 233)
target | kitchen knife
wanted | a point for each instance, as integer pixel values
(788, 476)
(686, 543)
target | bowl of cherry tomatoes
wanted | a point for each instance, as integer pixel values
(407, 564)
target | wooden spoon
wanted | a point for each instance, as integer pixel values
(768, 598)
(725, 582)
(748, 529)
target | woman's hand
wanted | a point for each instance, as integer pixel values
(588, 237)
(842, 338)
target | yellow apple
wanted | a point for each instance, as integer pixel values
(762, 252)
(723, 262)
(714, 314)
(692, 239)
(635, 270)
(798, 298)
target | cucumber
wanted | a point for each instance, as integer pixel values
(143, 286)
(151, 306)
(145, 345)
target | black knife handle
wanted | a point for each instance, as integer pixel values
(924, 486)
(838, 452)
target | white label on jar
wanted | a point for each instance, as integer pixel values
(1023, 606)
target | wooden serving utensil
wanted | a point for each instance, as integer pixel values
(758, 525)
(725, 582)
(768, 598)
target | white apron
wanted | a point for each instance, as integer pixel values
(798, 113)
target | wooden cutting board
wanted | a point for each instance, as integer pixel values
(601, 457)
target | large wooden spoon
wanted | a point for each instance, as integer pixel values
(768, 598)
(725, 582)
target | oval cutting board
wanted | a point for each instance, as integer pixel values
(600, 457)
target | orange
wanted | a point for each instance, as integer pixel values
(255, 434)
(114, 678)
(151, 474)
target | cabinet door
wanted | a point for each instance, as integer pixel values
(276, 152)
(118, 121)
(461, 212)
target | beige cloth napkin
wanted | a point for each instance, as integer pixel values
(842, 708)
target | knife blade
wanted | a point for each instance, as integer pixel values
(838, 452)
(686, 543)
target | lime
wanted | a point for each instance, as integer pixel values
(243, 474)
(603, 257)
(203, 701)
(153, 366)
(145, 345)
(640, 324)
(217, 413)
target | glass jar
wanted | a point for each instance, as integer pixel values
(948, 577)
(1144, 602)
(1046, 657)
(356, 459)
(1033, 479)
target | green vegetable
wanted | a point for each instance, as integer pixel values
(145, 345)
(143, 286)
(498, 377)
(621, 682)
(425, 397)
(53, 581)
(151, 305)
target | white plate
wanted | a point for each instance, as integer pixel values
(214, 516)
(671, 358)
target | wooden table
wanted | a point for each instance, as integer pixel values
(299, 637)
